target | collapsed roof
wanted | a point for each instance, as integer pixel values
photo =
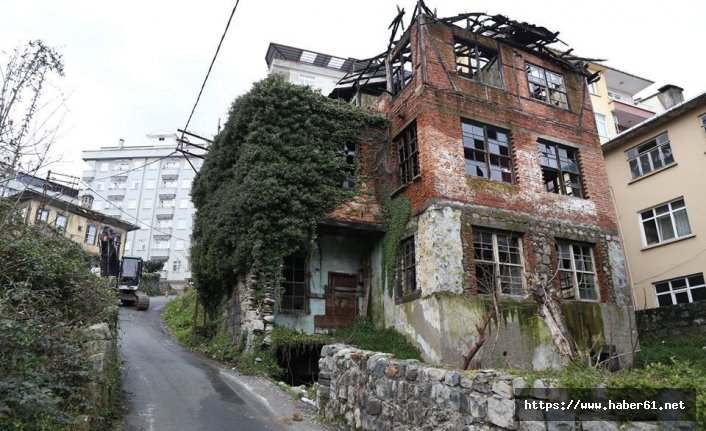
(369, 72)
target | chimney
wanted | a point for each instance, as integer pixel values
(121, 143)
(87, 201)
(670, 95)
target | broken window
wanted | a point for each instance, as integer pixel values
(90, 237)
(498, 262)
(665, 222)
(478, 63)
(560, 169)
(547, 86)
(577, 273)
(406, 267)
(682, 290)
(349, 152)
(487, 151)
(402, 68)
(650, 156)
(294, 289)
(407, 154)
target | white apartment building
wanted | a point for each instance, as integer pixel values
(150, 186)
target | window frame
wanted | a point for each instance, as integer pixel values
(687, 288)
(635, 154)
(475, 47)
(89, 233)
(61, 227)
(406, 268)
(407, 152)
(544, 82)
(496, 263)
(42, 215)
(487, 154)
(401, 58)
(658, 228)
(287, 300)
(560, 171)
(574, 272)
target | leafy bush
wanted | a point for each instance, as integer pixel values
(47, 297)
(153, 266)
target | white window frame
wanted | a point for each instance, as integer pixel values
(656, 217)
(166, 203)
(574, 271)
(104, 166)
(496, 260)
(134, 185)
(141, 245)
(601, 121)
(672, 292)
(61, 226)
(176, 265)
(664, 152)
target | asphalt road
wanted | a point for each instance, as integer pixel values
(171, 389)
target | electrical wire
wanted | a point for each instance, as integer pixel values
(203, 85)
(121, 173)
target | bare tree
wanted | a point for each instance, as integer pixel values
(28, 123)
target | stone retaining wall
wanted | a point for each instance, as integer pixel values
(373, 391)
(672, 321)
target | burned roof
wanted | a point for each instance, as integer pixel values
(521, 34)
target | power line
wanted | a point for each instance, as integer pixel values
(136, 167)
(134, 217)
(186, 127)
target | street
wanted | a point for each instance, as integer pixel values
(169, 388)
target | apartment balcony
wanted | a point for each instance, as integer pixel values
(170, 174)
(88, 176)
(167, 193)
(156, 253)
(164, 212)
(627, 115)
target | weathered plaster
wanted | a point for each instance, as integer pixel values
(440, 250)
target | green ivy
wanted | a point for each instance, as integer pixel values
(269, 176)
(396, 213)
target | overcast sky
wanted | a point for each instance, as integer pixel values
(135, 67)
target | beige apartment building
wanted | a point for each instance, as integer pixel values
(657, 172)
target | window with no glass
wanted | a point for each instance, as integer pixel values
(665, 222)
(560, 169)
(407, 154)
(547, 86)
(577, 273)
(478, 63)
(487, 151)
(683, 290)
(294, 283)
(498, 262)
(402, 68)
(650, 156)
(406, 267)
(349, 152)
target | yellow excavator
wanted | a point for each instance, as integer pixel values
(126, 271)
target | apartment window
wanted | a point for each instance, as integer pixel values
(169, 184)
(547, 86)
(161, 244)
(104, 166)
(61, 221)
(166, 203)
(141, 245)
(183, 203)
(498, 262)
(147, 204)
(149, 184)
(601, 126)
(349, 152)
(665, 222)
(615, 96)
(181, 223)
(294, 284)
(164, 223)
(407, 154)
(702, 119)
(402, 68)
(176, 266)
(171, 164)
(577, 273)
(132, 204)
(90, 237)
(307, 80)
(407, 267)
(592, 87)
(134, 185)
(43, 215)
(478, 63)
(683, 290)
(100, 187)
(487, 151)
(560, 169)
(179, 245)
(650, 156)
(122, 165)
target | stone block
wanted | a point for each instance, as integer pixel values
(433, 374)
(452, 378)
(501, 412)
(503, 389)
(599, 426)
